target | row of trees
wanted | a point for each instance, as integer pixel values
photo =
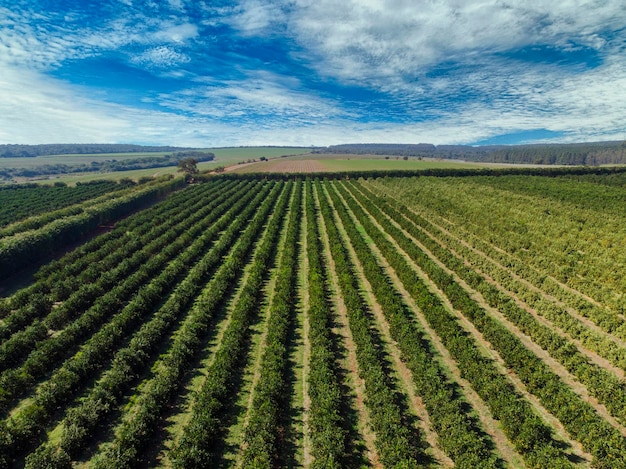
(605, 386)
(434, 172)
(577, 416)
(96, 409)
(35, 239)
(530, 436)
(131, 264)
(269, 415)
(397, 442)
(593, 153)
(19, 202)
(198, 446)
(96, 353)
(327, 422)
(460, 434)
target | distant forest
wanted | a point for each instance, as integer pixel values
(22, 151)
(586, 154)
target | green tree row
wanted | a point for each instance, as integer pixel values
(269, 412)
(598, 437)
(25, 428)
(327, 422)
(460, 434)
(531, 437)
(397, 442)
(97, 407)
(108, 278)
(197, 446)
(19, 202)
(24, 248)
(51, 350)
(602, 384)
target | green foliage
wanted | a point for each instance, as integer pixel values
(27, 242)
(109, 334)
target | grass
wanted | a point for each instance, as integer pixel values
(339, 163)
(223, 157)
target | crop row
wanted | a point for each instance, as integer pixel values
(23, 245)
(82, 265)
(19, 202)
(49, 350)
(63, 277)
(460, 434)
(531, 437)
(197, 445)
(99, 404)
(578, 417)
(602, 384)
(25, 427)
(326, 420)
(268, 417)
(396, 439)
(571, 232)
(120, 261)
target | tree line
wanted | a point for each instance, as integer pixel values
(585, 154)
(29, 151)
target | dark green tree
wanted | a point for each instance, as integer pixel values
(189, 166)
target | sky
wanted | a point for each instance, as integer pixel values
(312, 72)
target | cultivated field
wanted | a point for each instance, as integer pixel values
(473, 322)
(223, 157)
(329, 163)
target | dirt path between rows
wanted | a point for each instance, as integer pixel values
(306, 352)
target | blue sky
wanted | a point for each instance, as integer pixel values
(312, 72)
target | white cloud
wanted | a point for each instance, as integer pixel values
(176, 33)
(374, 39)
(257, 17)
(162, 56)
(387, 46)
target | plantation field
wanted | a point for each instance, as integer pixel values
(474, 322)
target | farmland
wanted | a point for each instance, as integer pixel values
(474, 322)
(330, 163)
(60, 168)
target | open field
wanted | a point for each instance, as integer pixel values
(474, 322)
(339, 163)
(223, 157)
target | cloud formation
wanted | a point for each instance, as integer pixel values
(312, 72)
